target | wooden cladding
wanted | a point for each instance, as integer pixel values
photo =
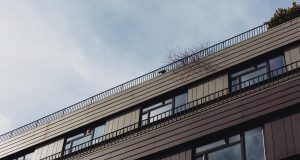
(292, 54)
(282, 137)
(122, 121)
(184, 155)
(208, 87)
(48, 150)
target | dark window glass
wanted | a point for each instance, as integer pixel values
(254, 144)
(228, 153)
(180, 102)
(276, 65)
(234, 84)
(200, 158)
(250, 69)
(210, 146)
(153, 106)
(21, 158)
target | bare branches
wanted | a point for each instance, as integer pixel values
(186, 60)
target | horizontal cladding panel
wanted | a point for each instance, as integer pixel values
(151, 89)
(197, 126)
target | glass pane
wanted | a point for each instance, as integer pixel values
(234, 138)
(228, 153)
(210, 146)
(99, 131)
(28, 156)
(151, 107)
(248, 80)
(261, 65)
(234, 85)
(81, 143)
(275, 64)
(21, 158)
(242, 72)
(180, 102)
(75, 137)
(156, 114)
(144, 118)
(200, 158)
(254, 144)
(168, 101)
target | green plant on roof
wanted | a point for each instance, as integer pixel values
(282, 15)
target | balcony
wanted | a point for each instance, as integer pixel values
(199, 106)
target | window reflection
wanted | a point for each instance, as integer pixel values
(210, 146)
(254, 144)
(230, 148)
(229, 153)
(254, 77)
(276, 65)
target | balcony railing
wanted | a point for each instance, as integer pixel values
(170, 67)
(197, 106)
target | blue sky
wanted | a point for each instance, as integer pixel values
(55, 53)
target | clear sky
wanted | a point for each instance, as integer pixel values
(55, 53)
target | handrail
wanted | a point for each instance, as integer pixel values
(175, 114)
(170, 67)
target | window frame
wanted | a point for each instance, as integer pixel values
(238, 84)
(85, 134)
(242, 141)
(146, 121)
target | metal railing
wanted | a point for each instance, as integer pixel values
(170, 67)
(197, 106)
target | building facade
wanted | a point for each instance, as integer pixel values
(236, 100)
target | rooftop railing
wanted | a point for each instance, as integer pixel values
(203, 104)
(170, 67)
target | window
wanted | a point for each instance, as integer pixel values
(84, 139)
(257, 73)
(26, 157)
(164, 109)
(231, 147)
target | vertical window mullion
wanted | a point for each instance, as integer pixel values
(243, 150)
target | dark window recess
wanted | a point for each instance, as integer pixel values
(231, 147)
(84, 139)
(258, 73)
(164, 109)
